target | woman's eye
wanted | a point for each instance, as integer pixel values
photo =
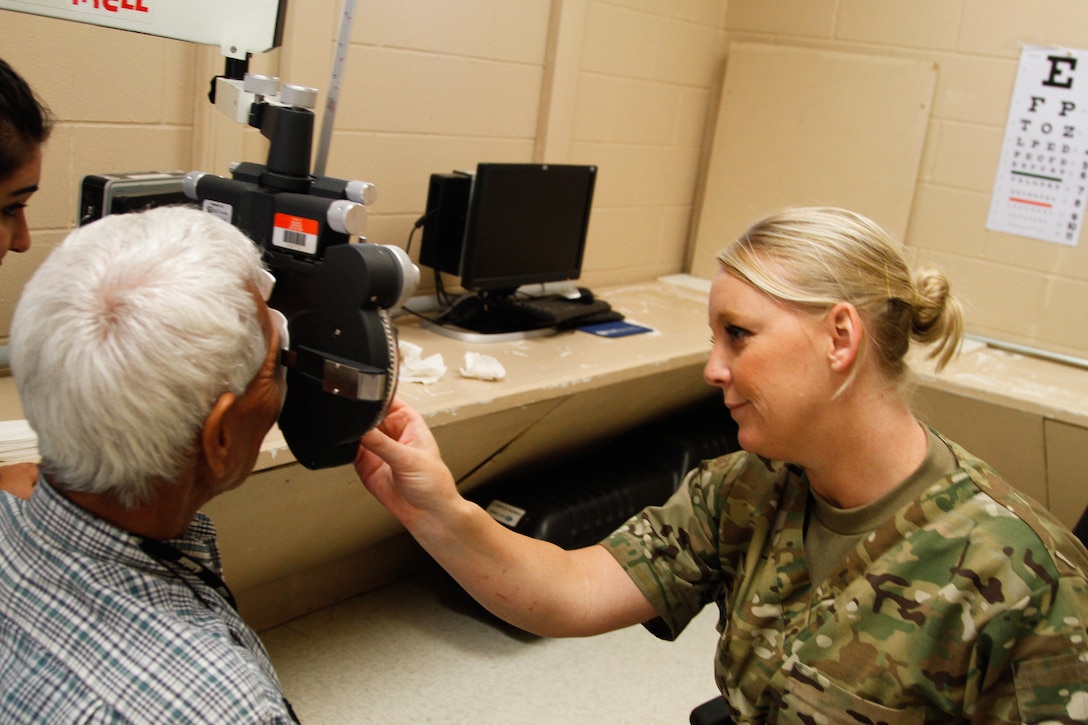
(735, 333)
(13, 209)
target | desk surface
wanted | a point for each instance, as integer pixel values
(570, 361)
(1050, 389)
(538, 369)
(675, 308)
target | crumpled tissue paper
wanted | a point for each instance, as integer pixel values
(414, 368)
(482, 367)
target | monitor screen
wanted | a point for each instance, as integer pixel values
(526, 224)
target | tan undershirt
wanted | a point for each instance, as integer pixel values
(833, 532)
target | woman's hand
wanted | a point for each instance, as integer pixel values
(400, 464)
(530, 583)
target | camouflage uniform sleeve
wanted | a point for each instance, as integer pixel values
(1050, 671)
(1031, 663)
(676, 552)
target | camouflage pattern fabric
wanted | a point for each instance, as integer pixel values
(969, 605)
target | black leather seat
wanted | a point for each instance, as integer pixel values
(1081, 529)
(711, 712)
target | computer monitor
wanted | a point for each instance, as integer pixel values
(526, 224)
(509, 224)
(506, 226)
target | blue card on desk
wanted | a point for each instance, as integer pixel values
(618, 328)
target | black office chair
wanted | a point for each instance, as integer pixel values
(1081, 529)
(711, 712)
(577, 502)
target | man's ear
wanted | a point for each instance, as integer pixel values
(844, 324)
(215, 437)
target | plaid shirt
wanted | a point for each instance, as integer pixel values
(94, 630)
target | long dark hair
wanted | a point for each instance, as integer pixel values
(25, 122)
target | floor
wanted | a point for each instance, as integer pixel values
(420, 651)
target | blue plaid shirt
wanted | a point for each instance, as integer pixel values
(93, 630)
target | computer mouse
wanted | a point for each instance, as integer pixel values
(581, 294)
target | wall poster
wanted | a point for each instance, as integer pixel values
(1042, 179)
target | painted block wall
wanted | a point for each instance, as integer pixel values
(123, 102)
(429, 86)
(626, 84)
(1017, 289)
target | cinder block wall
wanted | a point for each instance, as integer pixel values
(629, 85)
(124, 102)
(429, 86)
(1027, 291)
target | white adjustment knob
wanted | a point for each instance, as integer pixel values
(261, 85)
(347, 217)
(361, 191)
(298, 96)
(190, 182)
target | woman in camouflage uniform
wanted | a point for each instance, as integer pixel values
(866, 568)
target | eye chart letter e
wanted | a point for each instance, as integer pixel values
(1042, 180)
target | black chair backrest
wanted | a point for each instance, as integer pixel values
(1081, 529)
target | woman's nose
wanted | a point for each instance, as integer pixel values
(20, 239)
(716, 372)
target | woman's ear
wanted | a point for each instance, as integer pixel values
(215, 437)
(844, 324)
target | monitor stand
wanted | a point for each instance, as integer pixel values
(478, 318)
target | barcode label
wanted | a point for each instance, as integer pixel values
(294, 239)
(298, 234)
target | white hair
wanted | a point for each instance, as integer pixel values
(123, 340)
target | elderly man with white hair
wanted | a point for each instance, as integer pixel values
(147, 363)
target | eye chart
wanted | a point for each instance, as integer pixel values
(1042, 180)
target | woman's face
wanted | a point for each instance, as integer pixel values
(15, 192)
(772, 362)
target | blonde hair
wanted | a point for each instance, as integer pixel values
(817, 257)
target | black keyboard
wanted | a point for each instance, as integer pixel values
(555, 310)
